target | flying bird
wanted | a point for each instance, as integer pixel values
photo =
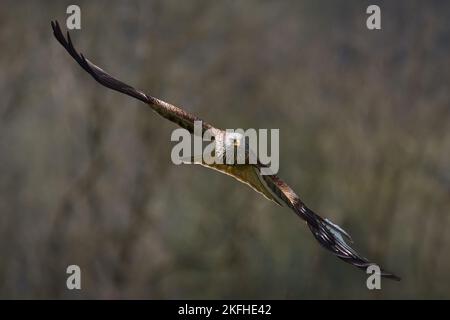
(329, 235)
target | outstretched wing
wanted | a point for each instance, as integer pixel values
(247, 174)
(168, 111)
(330, 236)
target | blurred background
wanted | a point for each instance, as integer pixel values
(86, 176)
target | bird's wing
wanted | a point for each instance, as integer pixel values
(247, 174)
(329, 235)
(168, 111)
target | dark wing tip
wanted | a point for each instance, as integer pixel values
(332, 237)
(68, 45)
(97, 73)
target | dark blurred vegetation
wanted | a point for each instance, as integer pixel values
(86, 176)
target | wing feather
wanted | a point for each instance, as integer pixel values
(330, 236)
(247, 174)
(168, 111)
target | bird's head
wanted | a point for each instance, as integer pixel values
(233, 140)
(235, 146)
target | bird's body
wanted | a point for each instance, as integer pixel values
(329, 235)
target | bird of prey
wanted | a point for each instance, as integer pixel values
(329, 235)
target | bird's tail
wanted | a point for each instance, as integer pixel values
(332, 237)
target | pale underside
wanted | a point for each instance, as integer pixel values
(247, 174)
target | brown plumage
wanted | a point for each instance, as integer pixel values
(329, 235)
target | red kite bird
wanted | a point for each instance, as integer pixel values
(329, 235)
